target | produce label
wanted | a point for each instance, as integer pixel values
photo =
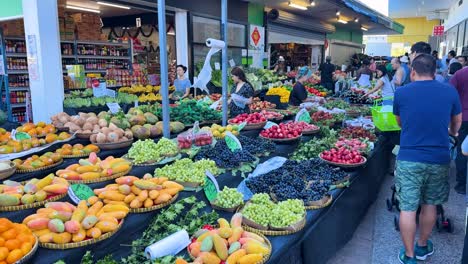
(136, 103)
(232, 142)
(217, 66)
(19, 135)
(78, 192)
(211, 187)
(113, 107)
(269, 124)
(232, 63)
(303, 116)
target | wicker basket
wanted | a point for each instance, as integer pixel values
(42, 168)
(33, 205)
(102, 179)
(111, 146)
(27, 257)
(78, 156)
(252, 126)
(310, 132)
(84, 135)
(8, 172)
(324, 202)
(153, 163)
(153, 208)
(284, 140)
(83, 243)
(344, 165)
(230, 210)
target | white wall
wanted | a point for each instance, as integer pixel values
(456, 14)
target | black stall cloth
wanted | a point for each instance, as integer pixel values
(327, 230)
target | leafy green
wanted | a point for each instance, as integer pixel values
(313, 148)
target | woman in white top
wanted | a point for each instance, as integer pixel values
(384, 84)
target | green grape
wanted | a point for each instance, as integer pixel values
(185, 170)
(147, 150)
(229, 197)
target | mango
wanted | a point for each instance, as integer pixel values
(145, 185)
(78, 215)
(236, 235)
(234, 247)
(13, 189)
(46, 238)
(30, 188)
(41, 232)
(117, 215)
(128, 180)
(83, 205)
(135, 190)
(8, 200)
(207, 244)
(86, 176)
(115, 207)
(11, 183)
(163, 198)
(47, 180)
(80, 236)
(72, 226)
(32, 217)
(162, 180)
(119, 168)
(195, 249)
(236, 220)
(181, 261)
(129, 198)
(56, 188)
(62, 215)
(235, 256)
(171, 184)
(72, 167)
(199, 233)
(92, 200)
(112, 195)
(225, 232)
(136, 204)
(245, 240)
(143, 196)
(38, 223)
(125, 189)
(106, 226)
(89, 221)
(220, 247)
(95, 208)
(98, 191)
(148, 203)
(40, 195)
(56, 226)
(107, 201)
(203, 236)
(255, 248)
(87, 168)
(250, 258)
(223, 223)
(61, 238)
(153, 194)
(58, 180)
(253, 235)
(28, 198)
(94, 232)
(45, 211)
(60, 206)
(107, 217)
(210, 258)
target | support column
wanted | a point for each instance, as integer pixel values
(224, 58)
(164, 67)
(44, 59)
(181, 29)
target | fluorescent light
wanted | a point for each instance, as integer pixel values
(363, 28)
(338, 12)
(83, 9)
(291, 4)
(312, 2)
(113, 5)
(342, 21)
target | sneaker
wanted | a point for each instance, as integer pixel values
(405, 259)
(422, 253)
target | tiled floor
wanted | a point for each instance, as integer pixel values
(376, 241)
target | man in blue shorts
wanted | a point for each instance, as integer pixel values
(427, 111)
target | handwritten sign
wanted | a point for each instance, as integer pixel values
(211, 187)
(113, 107)
(78, 192)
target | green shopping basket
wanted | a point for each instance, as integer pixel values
(384, 121)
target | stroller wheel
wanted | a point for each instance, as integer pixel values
(389, 205)
(396, 222)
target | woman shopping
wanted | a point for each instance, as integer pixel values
(241, 93)
(182, 84)
(384, 84)
(299, 92)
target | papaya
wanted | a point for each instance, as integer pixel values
(106, 226)
(236, 235)
(145, 185)
(210, 258)
(115, 207)
(95, 208)
(235, 256)
(128, 180)
(61, 238)
(234, 247)
(129, 198)
(170, 191)
(56, 188)
(94, 232)
(9, 200)
(171, 184)
(80, 236)
(38, 223)
(255, 248)
(87, 168)
(89, 221)
(220, 247)
(163, 198)
(112, 195)
(207, 244)
(62, 215)
(72, 226)
(90, 176)
(250, 258)
(223, 223)
(236, 220)
(56, 226)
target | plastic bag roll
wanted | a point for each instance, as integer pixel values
(215, 43)
(170, 245)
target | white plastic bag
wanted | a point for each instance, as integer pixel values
(240, 101)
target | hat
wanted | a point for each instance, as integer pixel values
(404, 59)
(281, 58)
(303, 71)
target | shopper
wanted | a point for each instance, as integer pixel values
(384, 84)
(400, 74)
(299, 92)
(241, 93)
(373, 65)
(462, 60)
(452, 56)
(326, 74)
(424, 156)
(280, 66)
(460, 82)
(365, 72)
(439, 65)
(404, 64)
(182, 83)
(419, 48)
(464, 149)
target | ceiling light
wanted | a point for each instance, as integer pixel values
(291, 4)
(338, 12)
(363, 28)
(312, 2)
(342, 21)
(113, 5)
(83, 9)
(356, 20)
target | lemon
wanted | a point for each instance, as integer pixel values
(222, 129)
(229, 128)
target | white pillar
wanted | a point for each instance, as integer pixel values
(44, 58)
(181, 37)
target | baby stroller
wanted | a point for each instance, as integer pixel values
(442, 223)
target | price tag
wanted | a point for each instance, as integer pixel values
(113, 107)
(99, 87)
(19, 135)
(211, 187)
(78, 192)
(110, 93)
(135, 104)
(303, 116)
(232, 142)
(232, 63)
(217, 66)
(269, 124)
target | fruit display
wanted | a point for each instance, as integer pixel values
(219, 132)
(36, 162)
(133, 192)
(343, 155)
(77, 150)
(322, 117)
(93, 168)
(9, 145)
(229, 198)
(340, 104)
(148, 151)
(257, 146)
(139, 88)
(228, 243)
(282, 131)
(17, 241)
(40, 129)
(111, 134)
(188, 171)
(282, 92)
(14, 193)
(62, 222)
(271, 115)
(357, 132)
(251, 119)
(224, 157)
(353, 145)
(311, 89)
(312, 148)
(258, 105)
(305, 126)
(79, 102)
(82, 123)
(263, 211)
(189, 111)
(356, 96)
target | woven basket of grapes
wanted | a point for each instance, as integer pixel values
(319, 204)
(228, 200)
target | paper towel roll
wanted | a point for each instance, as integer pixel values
(215, 43)
(170, 245)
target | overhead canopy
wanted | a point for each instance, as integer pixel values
(11, 9)
(283, 34)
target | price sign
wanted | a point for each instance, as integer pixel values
(232, 63)
(232, 142)
(110, 93)
(113, 107)
(78, 192)
(19, 135)
(303, 116)
(269, 124)
(217, 66)
(99, 87)
(211, 187)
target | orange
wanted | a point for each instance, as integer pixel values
(2, 241)
(51, 138)
(13, 244)
(14, 256)
(67, 146)
(21, 228)
(26, 247)
(35, 142)
(3, 253)
(5, 224)
(24, 237)
(32, 132)
(78, 146)
(92, 147)
(9, 234)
